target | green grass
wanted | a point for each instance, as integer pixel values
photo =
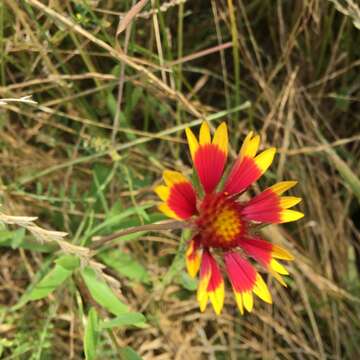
(109, 117)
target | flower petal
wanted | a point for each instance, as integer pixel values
(265, 159)
(209, 162)
(216, 287)
(211, 284)
(270, 207)
(261, 289)
(179, 196)
(162, 192)
(248, 168)
(280, 187)
(204, 136)
(192, 141)
(193, 257)
(245, 280)
(164, 208)
(276, 266)
(290, 215)
(250, 146)
(173, 177)
(221, 138)
(265, 253)
(289, 201)
(280, 253)
(243, 173)
(209, 158)
(248, 300)
(205, 275)
(264, 207)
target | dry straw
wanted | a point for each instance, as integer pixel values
(44, 235)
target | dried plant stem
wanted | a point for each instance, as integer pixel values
(24, 99)
(165, 225)
(120, 88)
(45, 235)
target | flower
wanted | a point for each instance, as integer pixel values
(222, 223)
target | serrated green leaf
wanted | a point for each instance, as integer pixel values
(132, 318)
(91, 335)
(102, 293)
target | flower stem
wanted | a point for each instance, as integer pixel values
(164, 225)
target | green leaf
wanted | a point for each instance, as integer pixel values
(12, 238)
(52, 280)
(6, 235)
(125, 265)
(127, 353)
(116, 209)
(65, 265)
(102, 293)
(188, 282)
(44, 270)
(132, 318)
(16, 239)
(68, 262)
(91, 335)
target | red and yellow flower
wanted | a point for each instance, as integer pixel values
(222, 222)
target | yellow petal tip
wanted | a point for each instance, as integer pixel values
(265, 158)
(192, 141)
(164, 208)
(291, 215)
(162, 192)
(204, 136)
(221, 137)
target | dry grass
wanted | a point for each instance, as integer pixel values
(113, 93)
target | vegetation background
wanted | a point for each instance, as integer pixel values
(114, 90)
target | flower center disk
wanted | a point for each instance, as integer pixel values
(219, 222)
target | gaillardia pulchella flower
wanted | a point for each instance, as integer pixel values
(222, 223)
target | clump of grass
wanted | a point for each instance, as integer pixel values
(109, 116)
